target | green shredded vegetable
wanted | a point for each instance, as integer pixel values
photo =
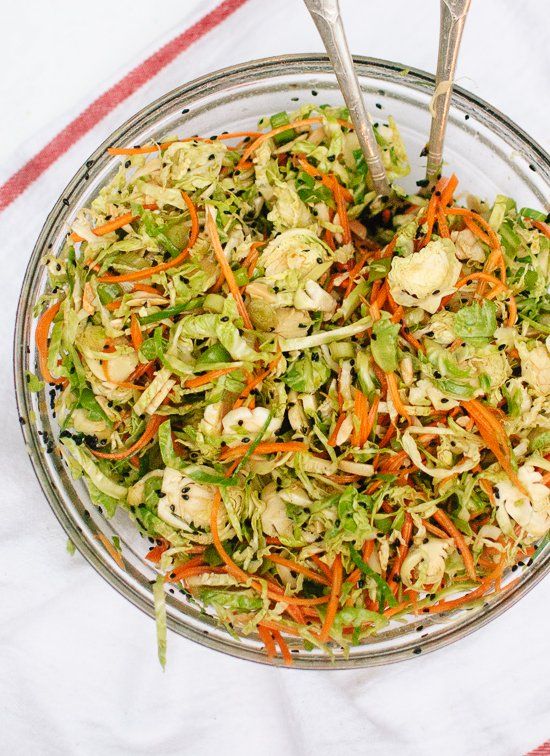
(337, 381)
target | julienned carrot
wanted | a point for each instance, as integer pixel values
(212, 375)
(355, 576)
(431, 215)
(481, 222)
(148, 435)
(495, 437)
(114, 224)
(135, 332)
(334, 435)
(541, 226)
(512, 311)
(448, 525)
(139, 275)
(255, 381)
(406, 534)
(327, 179)
(296, 567)
(266, 447)
(150, 148)
(275, 594)
(477, 277)
(285, 651)
(225, 267)
(279, 130)
(114, 553)
(267, 639)
(396, 399)
(442, 225)
(332, 606)
(323, 566)
(360, 411)
(41, 340)
(155, 554)
(280, 627)
(341, 207)
(448, 191)
(181, 574)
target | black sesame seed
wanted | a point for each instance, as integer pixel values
(514, 568)
(424, 152)
(419, 628)
(501, 347)
(246, 440)
(437, 374)
(466, 117)
(331, 158)
(378, 105)
(172, 508)
(185, 111)
(66, 202)
(224, 319)
(315, 357)
(437, 193)
(128, 163)
(373, 337)
(532, 167)
(426, 540)
(422, 182)
(436, 292)
(360, 583)
(294, 99)
(319, 260)
(314, 93)
(444, 400)
(22, 420)
(241, 422)
(417, 650)
(89, 163)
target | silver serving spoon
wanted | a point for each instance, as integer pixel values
(453, 17)
(326, 15)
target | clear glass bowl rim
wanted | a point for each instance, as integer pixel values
(259, 69)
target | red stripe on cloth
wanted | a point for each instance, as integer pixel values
(542, 750)
(103, 105)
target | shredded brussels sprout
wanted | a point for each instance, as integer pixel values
(326, 409)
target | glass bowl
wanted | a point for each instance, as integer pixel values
(490, 155)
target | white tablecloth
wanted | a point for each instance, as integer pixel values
(79, 673)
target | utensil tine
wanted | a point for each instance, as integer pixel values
(327, 18)
(452, 20)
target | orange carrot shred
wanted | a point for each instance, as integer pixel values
(148, 435)
(226, 268)
(139, 275)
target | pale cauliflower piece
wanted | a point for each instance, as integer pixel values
(427, 561)
(424, 278)
(535, 367)
(275, 521)
(296, 249)
(211, 423)
(314, 297)
(532, 514)
(185, 502)
(82, 423)
(468, 246)
(440, 328)
(291, 323)
(243, 423)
